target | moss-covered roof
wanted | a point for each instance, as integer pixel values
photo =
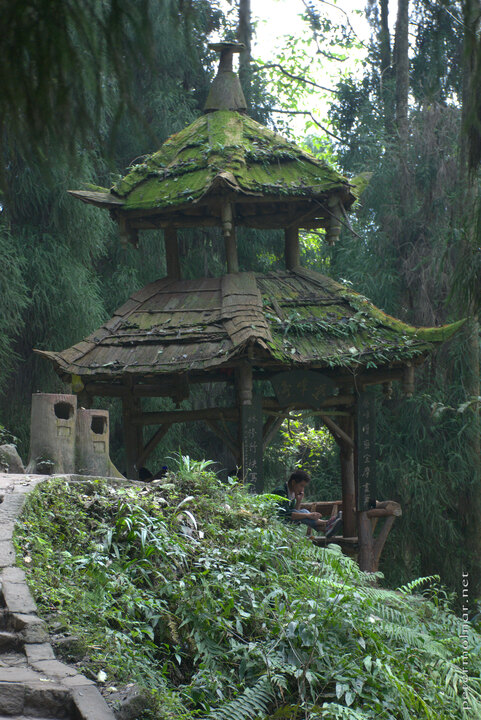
(290, 319)
(226, 152)
(259, 161)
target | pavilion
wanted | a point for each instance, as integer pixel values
(283, 341)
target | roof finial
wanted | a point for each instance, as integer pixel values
(226, 91)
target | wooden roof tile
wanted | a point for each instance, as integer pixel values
(297, 318)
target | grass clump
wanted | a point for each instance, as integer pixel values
(194, 590)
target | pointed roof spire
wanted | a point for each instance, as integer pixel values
(226, 91)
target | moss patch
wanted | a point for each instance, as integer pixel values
(225, 141)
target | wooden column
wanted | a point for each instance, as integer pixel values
(172, 253)
(84, 399)
(228, 229)
(250, 428)
(348, 478)
(133, 435)
(366, 546)
(291, 247)
(369, 548)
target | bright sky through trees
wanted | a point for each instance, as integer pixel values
(275, 21)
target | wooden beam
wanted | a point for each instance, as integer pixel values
(270, 403)
(224, 436)
(176, 416)
(152, 444)
(325, 508)
(291, 247)
(172, 259)
(338, 434)
(161, 389)
(385, 509)
(380, 541)
(270, 430)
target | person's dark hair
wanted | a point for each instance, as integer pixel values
(299, 476)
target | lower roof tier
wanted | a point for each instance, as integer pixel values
(282, 320)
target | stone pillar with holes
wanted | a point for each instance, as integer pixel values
(52, 434)
(92, 444)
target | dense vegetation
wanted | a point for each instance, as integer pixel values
(193, 589)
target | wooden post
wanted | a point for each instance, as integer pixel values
(172, 253)
(291, 247)
(132, 435)
(228, 229)
(250, 428)
(348, 478)
(84, 399)
(366, 549)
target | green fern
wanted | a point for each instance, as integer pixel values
(251, 704)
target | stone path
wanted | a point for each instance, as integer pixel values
(33, 684)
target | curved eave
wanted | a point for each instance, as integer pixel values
(99, 199)
(437, 334)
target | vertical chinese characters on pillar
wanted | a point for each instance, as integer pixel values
(366, 451)
(252, 443)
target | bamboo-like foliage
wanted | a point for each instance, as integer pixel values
(58, 64)
(413, 224)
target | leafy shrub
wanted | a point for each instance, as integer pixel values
(193, 589)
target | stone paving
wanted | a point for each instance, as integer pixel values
(33, 684)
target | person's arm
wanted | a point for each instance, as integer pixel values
(302, 515)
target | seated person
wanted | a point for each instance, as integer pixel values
(290, 510)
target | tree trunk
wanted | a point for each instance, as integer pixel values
(401, 67)
(470, 500)
(244, 34)
(387, 79)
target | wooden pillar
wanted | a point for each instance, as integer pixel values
(366, 546)
(291, 247)
(172, 253)
(228, 229)
(250, 428)
(133, 435)
(84, 400)
(348, 478)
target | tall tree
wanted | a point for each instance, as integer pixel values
(413, 229)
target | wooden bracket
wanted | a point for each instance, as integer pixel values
(224, 435)
(338, 434)
(270, 430)
(152, 444)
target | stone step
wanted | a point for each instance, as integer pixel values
(8, 641)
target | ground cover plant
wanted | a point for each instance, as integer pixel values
(194, 590)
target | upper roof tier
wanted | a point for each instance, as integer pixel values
(227, 157)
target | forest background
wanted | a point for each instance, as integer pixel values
(85, 93)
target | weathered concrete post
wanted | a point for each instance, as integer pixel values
(52, 433)
(92, 444)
